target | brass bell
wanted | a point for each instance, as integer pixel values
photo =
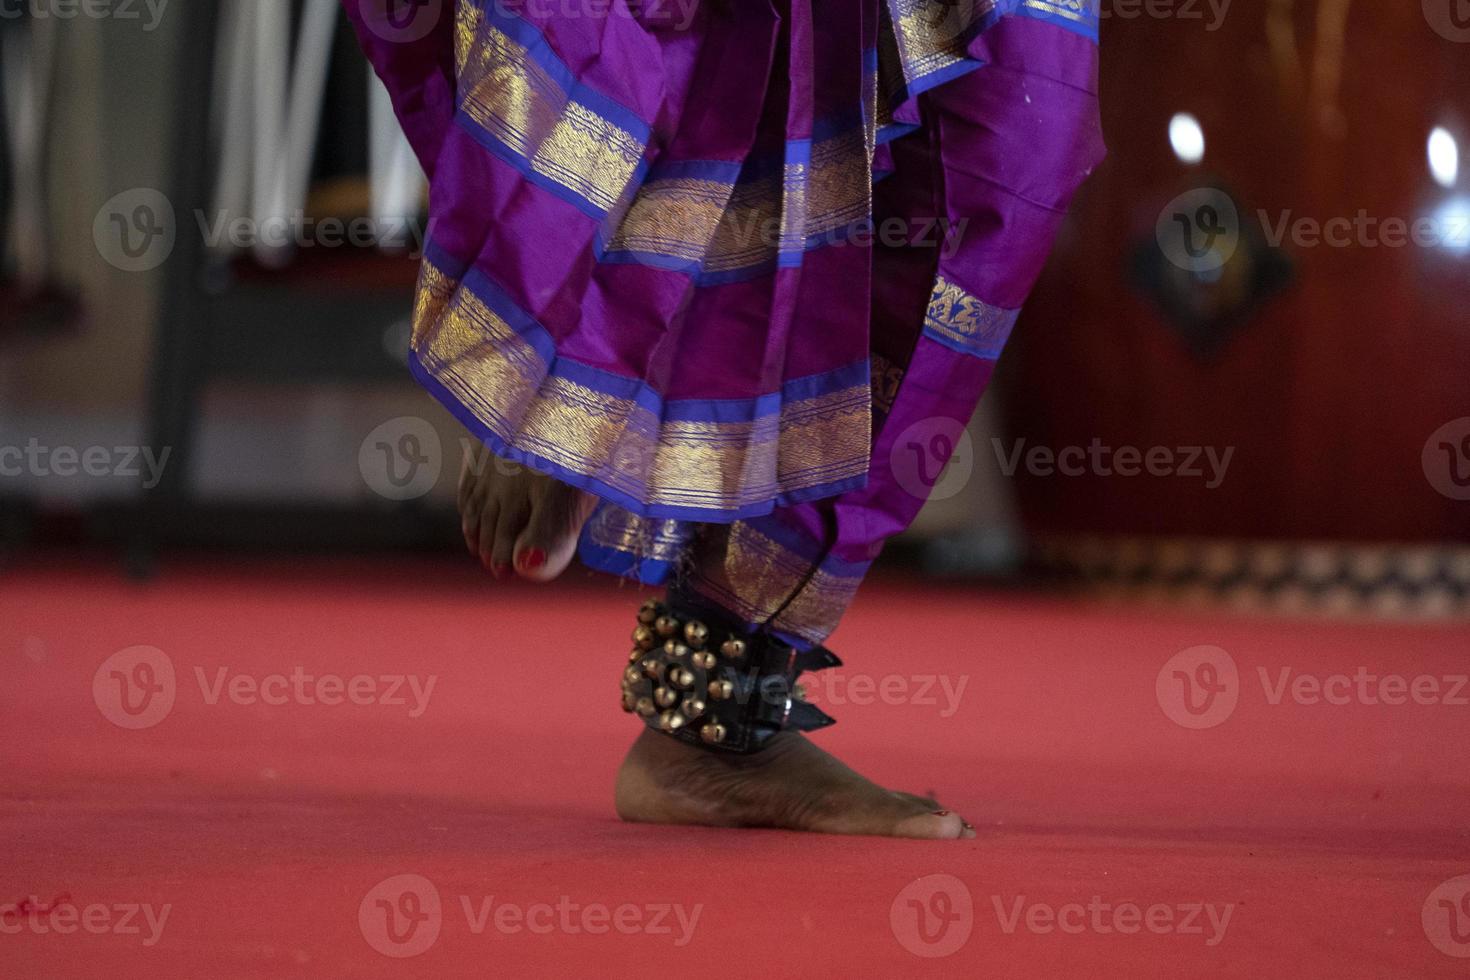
(704, 660)
(644, 638)
(632, 675)
(666, 625)
(634, 654)
(720, 690)
(696, 633)
(671, 721)
(630, 700)
(665, 698)
(676, 649)
(649, 612)
(650, 667)
(644, 707)
(713, 733)
(692, 707)
(734, 649)
(682, 677)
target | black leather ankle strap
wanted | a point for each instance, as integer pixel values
(703, 679)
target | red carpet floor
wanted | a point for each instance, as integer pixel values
(232, 837)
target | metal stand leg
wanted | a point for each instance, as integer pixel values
(182, 332)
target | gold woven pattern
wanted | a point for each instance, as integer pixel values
(968, 320)
(647, 538)
(753, 576)
(931, 33)
(1081, 11)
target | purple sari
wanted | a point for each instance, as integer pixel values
(719, 263)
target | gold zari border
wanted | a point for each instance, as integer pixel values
(754, 576)
(503, 382)
(967, 320)
(515, 100)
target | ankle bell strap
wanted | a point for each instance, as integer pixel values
(710, 683)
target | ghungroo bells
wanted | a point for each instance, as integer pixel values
(705, 682)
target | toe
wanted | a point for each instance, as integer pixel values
(934, 825)
(500, 554)
(471, 521)
(547, 545)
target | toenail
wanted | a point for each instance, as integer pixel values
(941, 813)
(499, 568)
(533, 558)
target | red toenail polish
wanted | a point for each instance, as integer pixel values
(533, 558)
(941, 813)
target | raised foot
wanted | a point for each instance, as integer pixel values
(791, 785)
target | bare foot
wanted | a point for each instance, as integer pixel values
(516, 518)
(792, 785)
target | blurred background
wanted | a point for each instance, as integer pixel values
(1244, 378)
